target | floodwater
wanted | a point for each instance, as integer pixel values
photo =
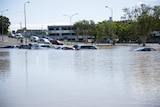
(109, 77)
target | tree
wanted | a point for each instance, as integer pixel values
(156, 14)
(100, 32)
(143, 18)
(123, 30)
(84, 28)
(6, 23)
(105, 30)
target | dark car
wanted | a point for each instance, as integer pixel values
(25, 46)
(56, 42)
(145, 49)
(10, 46)
(84, 47)
(11, 35)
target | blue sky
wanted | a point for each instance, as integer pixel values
(41, 13)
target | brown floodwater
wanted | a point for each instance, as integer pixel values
(109, 77)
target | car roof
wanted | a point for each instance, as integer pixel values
(145, 49)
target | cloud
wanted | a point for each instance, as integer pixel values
(148, 2)
(139, 3)
(36, 26)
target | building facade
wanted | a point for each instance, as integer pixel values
(32, 32)
(65, 32)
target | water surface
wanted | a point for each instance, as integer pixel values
(110, 77)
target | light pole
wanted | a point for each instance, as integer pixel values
(25, 20)
(111, 18)
(70, 18)
(2, 22)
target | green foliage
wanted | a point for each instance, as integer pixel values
(156, 15)
(84, 27)
(145, 18)
(123, 30)
(138, 24)
(6, 23)
(100, 32)
(104, 30)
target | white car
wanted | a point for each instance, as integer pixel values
(18, 36)
(42, 46)
(34, 38)
(11, 35)
(44, 41)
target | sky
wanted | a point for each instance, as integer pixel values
(42, 13)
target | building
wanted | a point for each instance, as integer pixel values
(155, 37)
(66, 32)
(32, 32)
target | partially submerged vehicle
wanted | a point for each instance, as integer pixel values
(10, 46)
(56, 42)
(68, 48)
(41, 46)
(145, 49)
(24, 47)
(34, 38)
(84, 47)
(43, 41)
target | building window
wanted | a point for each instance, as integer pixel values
(54, 34)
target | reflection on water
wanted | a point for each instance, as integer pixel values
(116, 77)
(4, 64)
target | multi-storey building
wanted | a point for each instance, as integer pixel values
(66, 32)
(32, 32)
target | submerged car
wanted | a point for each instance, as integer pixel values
(84, 47)
(24, 47)
(34, 38)
(11, 35)
(67, 48)
(10, 46)
(46, 46)
(44, 41)
(41, 46)
(18, 36)
(56, 42)
(145, 49)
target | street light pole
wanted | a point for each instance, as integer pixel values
(25, 20)
(70, 18)
(111, 18)
(2, 22)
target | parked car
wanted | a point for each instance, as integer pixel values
(18, 36)
(34, 46)
(34, 38)
(24, 47)
(67, 48)
(11, 35)
(47, 37)
(145, 49)
(44, 41)
(56, 42)
(80, 47)
(46, 46)
(10, 46)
